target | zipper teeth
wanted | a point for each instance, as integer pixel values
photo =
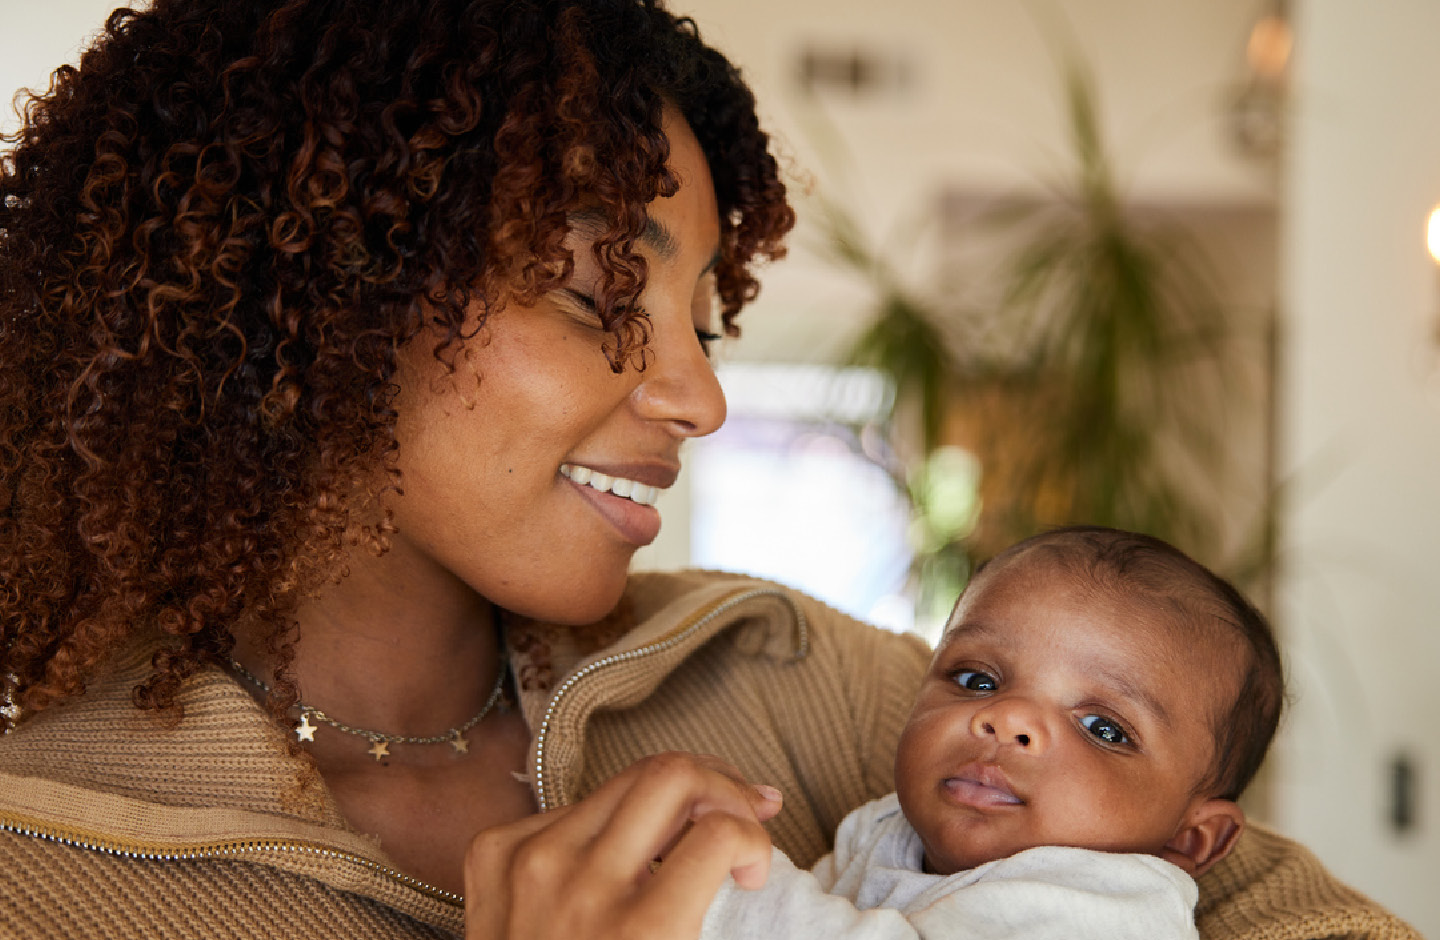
(222, 849)
(674, 639)
(241, 847)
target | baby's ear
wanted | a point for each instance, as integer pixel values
(1208, 833)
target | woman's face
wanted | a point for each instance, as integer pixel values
(494, 458)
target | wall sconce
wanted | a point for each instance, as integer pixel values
(1268, 50)
(1432, 241)
(1257, 115)
(1432, 234)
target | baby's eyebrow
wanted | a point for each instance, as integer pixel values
(969, 630)
(1133, 692)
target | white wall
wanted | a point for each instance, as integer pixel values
(983, 112)
(37, 37)
(1361, 597)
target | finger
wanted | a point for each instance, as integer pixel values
(771, 802)
(576, 823)
(767, 804)
(673, 790)
(764, 800)
(488, 868)
(685, 884)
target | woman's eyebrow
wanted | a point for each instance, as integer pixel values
(656, 234)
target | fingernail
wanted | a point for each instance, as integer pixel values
(768, 794)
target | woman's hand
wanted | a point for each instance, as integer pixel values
(586, 872)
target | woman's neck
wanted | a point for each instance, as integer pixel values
(397, 646)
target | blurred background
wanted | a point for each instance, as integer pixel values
(1154, 263)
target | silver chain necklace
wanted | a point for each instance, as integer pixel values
(380, 741)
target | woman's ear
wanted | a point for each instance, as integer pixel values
(1208, 833)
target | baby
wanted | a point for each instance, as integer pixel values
(1096, 705)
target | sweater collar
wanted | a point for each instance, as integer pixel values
(216, 781)
(673, 616)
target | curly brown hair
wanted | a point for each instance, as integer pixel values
(218, 230)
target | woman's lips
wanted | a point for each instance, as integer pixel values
(982, 786)
(637, 522)
(634, 490)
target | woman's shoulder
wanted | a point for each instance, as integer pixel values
(1273, 887)
(822, 629)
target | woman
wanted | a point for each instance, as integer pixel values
(345, 347)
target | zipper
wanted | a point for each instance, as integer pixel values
(218, 849)
(669, 641)
(238, 848)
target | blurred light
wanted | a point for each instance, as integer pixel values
(1432, 234)
(1257, 115)
(1268, 51)
(806, 392)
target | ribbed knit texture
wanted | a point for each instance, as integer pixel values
(57, 891)
(820, 726)
(223, 752)
(1270, 888)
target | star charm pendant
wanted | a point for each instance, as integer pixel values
(458, 742)
(379, 749)
(305, 731)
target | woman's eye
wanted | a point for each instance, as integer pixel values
(975, 681)
(585, 303)
(707, 340)
(1105, 729)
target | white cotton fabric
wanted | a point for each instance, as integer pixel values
(872, 888)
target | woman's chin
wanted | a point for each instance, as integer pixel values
(579, 603)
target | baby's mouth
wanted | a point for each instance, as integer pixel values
(981, 785)
(618, 486)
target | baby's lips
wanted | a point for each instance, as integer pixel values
(980, 783)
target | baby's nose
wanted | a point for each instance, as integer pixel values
(1011, 721)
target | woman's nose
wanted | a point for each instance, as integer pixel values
(1012, 720)
(679, 386)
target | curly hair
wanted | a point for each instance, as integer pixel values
(218, 230)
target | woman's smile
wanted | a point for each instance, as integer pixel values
(622, 498)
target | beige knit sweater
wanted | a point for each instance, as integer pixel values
(114, 824)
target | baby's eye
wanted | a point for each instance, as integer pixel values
(1105, 729)
(976, 681)
(707, 341)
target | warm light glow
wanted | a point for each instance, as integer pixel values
(1432, 235)
(1268, 50)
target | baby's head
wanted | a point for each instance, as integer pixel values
(1093, 688)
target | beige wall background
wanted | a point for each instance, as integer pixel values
(1359, 394)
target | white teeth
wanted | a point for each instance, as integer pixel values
(630, 489)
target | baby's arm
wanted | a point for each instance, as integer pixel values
(1055, 893)
(792, 904)
(1042, 894)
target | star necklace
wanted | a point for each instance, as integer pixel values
(380, 741)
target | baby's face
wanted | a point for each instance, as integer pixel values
(1055, 714)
